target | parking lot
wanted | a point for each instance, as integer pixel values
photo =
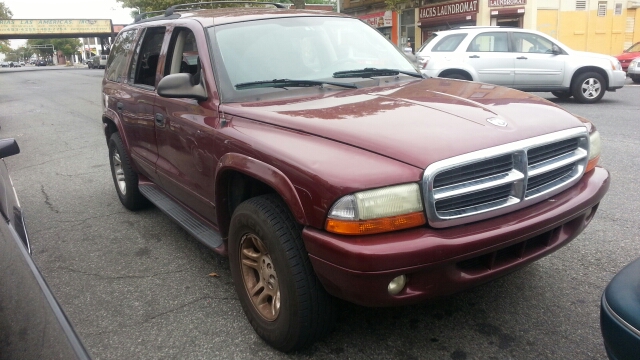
(135, 285)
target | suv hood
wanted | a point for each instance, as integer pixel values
(593, 55)
(417, 122)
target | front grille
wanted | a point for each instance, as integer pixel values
(498, 180)
(474, 171)
(549, 151)
(465, 201)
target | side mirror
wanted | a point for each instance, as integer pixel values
(182, 86)
(555, 49)
(8, 147)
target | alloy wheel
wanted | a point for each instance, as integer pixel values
(591, 88)
(117, 169)
(259, 276)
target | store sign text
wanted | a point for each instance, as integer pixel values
(497, 3)
(379, 19)
(461, 7)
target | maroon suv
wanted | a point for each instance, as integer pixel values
(308, 149)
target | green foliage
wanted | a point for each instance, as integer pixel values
(5, 13)
(155, 5)
(67, 46)
(393, 4)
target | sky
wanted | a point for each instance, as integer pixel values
(68, 9)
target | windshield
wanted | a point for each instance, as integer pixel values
(634, 48)
(300, 48)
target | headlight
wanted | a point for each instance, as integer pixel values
(594, 149)
(376, 211)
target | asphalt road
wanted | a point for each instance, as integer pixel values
(136, 286)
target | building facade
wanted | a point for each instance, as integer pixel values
(603, 26)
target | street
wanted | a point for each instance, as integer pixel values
(137, 286)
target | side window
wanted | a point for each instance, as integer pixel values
(182, 55)
(531, 43)
(449, 43)
(490, 42)
(145, 60)
(117, 63)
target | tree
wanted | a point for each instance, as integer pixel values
(67, 46)
(5, 13)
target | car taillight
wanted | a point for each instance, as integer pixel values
(423, 61)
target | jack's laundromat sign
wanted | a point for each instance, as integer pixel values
(498, 3)
(54, 26)
(456, 8)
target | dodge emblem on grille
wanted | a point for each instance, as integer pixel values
(497, 121)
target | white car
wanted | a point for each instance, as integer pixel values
(634, 70)
(522, 59)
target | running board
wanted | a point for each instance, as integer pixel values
(177, 212)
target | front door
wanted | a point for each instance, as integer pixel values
(488, 53)
(535, 63)
(186, 163)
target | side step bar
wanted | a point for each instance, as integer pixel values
(192, 225)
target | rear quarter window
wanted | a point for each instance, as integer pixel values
(117, 64)
(449, 43)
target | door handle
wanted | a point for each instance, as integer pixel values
(120, 106)
(159, 120)
(522, 58)
(474, 56)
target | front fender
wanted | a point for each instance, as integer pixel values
(260, 171)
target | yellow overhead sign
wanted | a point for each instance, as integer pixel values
(54, 26)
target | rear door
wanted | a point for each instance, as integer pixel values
(535, 63)
(488, 53)
(137, 100)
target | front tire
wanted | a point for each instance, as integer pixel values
(588, 88)
(124, 178)
(635, 79)
(278, 290)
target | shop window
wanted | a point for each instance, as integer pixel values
(449, 43)
(581, 4)
(490, 42)
(602, 8)
(618, 9)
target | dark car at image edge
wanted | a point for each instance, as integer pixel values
(336, 169)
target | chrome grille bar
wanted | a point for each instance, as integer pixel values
(498, 180)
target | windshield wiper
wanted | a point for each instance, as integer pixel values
(282, 83)
(369, 72)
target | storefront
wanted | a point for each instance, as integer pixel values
(507, 12)
(442, 16)
(383, 21)
(408, 28)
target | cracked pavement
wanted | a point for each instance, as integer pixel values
(136, 286)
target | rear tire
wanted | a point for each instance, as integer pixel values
(562, 94)
(588, 88)
(278, 290)
(635, 79)
(124, 178)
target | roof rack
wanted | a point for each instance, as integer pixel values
(191, 6)
(146, 15)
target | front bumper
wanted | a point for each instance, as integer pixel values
(618, 78)
(444, 261)
(633, 70)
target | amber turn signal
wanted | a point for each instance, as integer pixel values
(375, 226)
(592, 164)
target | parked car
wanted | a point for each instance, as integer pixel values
(22, 63)
(32, 323)
(620, 314)
(321, 177)
(14, 64)
(633, 70)
(98, 62)
(4, 64)
(41, 63)
(522, 59)
(628, 55)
